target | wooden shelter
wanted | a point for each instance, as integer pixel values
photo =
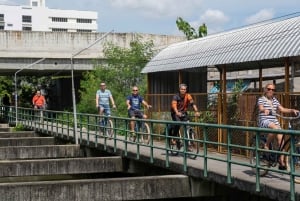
(270, 44)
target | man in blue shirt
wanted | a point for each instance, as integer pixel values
(134, 103)
(103, 96)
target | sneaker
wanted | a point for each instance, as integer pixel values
(282, 167)
(133, 136)
(173, 142)
(190, 148)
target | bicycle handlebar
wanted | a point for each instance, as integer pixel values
(285, 117)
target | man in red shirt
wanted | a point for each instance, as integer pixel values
(38, 101)
(179, 106)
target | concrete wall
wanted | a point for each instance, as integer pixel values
(17, 44)
(18, 49)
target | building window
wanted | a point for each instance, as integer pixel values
(84, 21)
(26, 18)
(9, 25)
(26, 28)
(1, 17)
(1, 27)
(59, 19)
(84, 30)
(34, 3)
(59, 30)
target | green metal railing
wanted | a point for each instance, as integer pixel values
(61, 124)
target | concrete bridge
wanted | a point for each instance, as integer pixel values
(145, 169)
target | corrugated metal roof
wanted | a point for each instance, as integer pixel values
(240, 49)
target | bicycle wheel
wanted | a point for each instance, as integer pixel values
(287, 148)
(174, 145)
(192, 146)
(109, 129)
(263, 162)
(101, 127)
(131, 136)
(145, 133)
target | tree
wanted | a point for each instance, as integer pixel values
(189, 31)
(202, 31)
(120, 72)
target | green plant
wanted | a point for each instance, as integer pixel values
(233, 109)
(207, 117)
(120, 72)
(189, 31)
(19, 127)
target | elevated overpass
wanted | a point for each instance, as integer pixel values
(20, 48)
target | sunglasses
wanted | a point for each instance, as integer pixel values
(269, 89)
(134, 90)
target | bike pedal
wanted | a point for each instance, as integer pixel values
(178, 144)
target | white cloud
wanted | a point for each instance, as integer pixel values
(154, 9)
(214, 20)
(264, 14)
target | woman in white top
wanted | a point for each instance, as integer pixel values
(268, 106)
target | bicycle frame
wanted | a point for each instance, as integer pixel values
(141, 132)
(187, 141)
(106, 125)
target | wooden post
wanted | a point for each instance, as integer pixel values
(287, 99)
(222, 107)
(260, 79)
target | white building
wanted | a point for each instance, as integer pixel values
(37, 17)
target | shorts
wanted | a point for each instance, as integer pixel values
(106, 109)
(40, 107)
(135, 113)
(266, 123)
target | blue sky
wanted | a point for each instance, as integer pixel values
(159, 16)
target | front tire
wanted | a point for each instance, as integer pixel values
(110, 129)
(263, 162)
(174, 144)
(145, 134)
(192, 145)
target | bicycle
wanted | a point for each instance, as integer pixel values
(39, 113)
(141, 131)
(188, 142)
(106, 126)
(268, 159)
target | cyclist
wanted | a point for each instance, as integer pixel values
(179, 106)
(38, 101)
(103, 96)
(134, 102)
(268, 106)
